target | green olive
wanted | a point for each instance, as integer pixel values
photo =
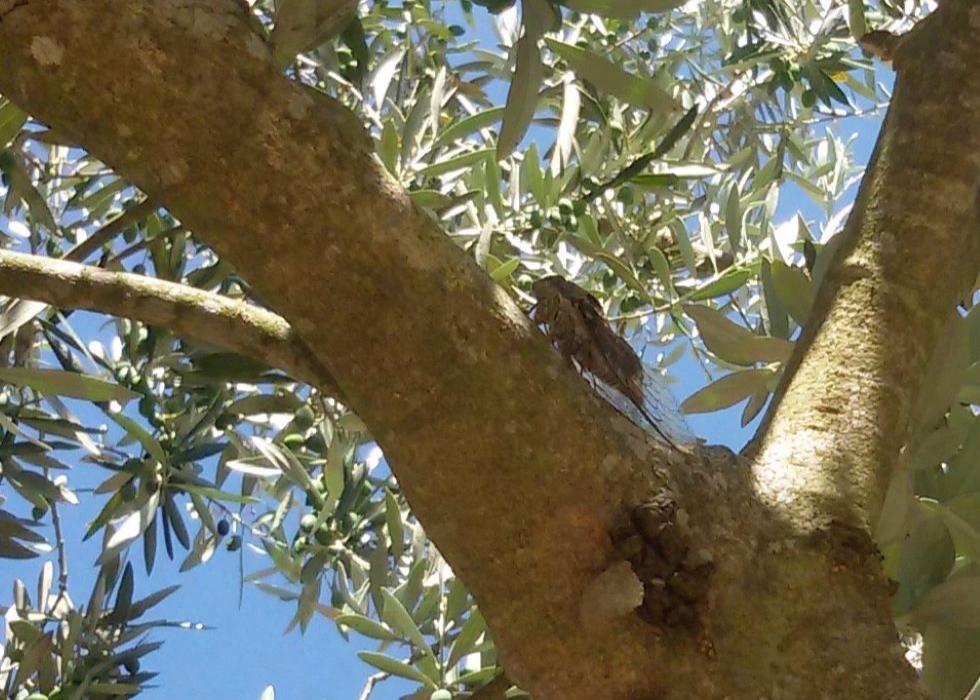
(293, 440)
(304, 417)
(299, 544)
(323, 536)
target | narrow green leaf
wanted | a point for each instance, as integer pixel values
(793, 289)
(62, 383)
(32, 657)
(466, 126)
(775, 311)
(662, 267)
(655, 181)
(623, 9)
(397, 617)
(725, 283)
(458, 163)
(303, 25)
(12, 526)
(522, 96)
(504, 270)
(108, 512)
(150, 546)
(11, 549)
(19, 181)
(634, 89)
(728, 391)
(388, 147)
(953, 603)
(733, 218)
(381, 78)
(734, 343)
(684, 245)
(176, 520)
(951, 662)
(124, 596)
(12, 119)
(216, 494)
(395, 668)
(753, 406)
(944, 375)
(855, 19)
(430, 199)
(113, 688)
(962, 518)
(467, 637)
(136, 431)
(366, 626)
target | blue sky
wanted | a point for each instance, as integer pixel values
(246, 649)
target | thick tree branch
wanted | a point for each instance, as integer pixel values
(183, 100)
(192, 313)
(911, 251)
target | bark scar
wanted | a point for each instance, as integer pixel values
(675, 584)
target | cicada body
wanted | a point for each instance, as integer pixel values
(576, 325)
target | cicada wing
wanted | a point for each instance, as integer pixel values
(660, 403)
(659, 418)
(621, 402)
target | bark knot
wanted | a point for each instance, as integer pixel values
(657, 547)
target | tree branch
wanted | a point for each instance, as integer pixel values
(192, 313)
(909, 253)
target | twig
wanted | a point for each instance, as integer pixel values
(372, 681)
(59, 541)
(194, 313)
(630, 37)
(635, 315)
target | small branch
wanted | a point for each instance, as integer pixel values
(372, 681)
(193, 313)
(59, 540)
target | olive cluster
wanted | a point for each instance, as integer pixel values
(657, 548)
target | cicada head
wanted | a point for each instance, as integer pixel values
(547, 287)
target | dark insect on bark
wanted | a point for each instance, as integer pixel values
(576, 325)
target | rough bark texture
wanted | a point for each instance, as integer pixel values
(516, 471)
(911, 252)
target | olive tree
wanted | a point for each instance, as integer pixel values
(315, 226)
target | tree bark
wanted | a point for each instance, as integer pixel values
(190, 313)
(516, 470)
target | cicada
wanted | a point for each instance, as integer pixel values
(575, 323)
